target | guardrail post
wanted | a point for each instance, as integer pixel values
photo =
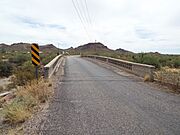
(107, 60)
(46, 72)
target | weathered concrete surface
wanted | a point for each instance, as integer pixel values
(53, 66)
(92, 100)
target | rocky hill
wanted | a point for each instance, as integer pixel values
(90, 48)
(96, 48)
(4, 46)
(48, 47)
(93, 46)
(120, 50)
(20, 47)
(26, 47)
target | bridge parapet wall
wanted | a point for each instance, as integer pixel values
(135, 68)
(52, 66)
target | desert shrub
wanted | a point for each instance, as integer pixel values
(147, 78)
(2, 50)
(163, 61)
(19, 59)
(26, 99)
(1, 89)
(45, 59)
(5, 69)
(138, 58)
(16, 112)
(151, 60)
(176, 63)
(147, 59)
(41, 90)
(168, 75)
(23, 77)
(24, 74)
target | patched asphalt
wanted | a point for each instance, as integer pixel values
(92, 100)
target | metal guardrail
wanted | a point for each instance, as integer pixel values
(135, 68)
(52, 66)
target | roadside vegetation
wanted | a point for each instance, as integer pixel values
(47, 57)
(18, 65)
(169, 76)
(158, 60)
(20, 105)
(5, 69)
(26, 99)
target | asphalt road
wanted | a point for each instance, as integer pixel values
(92, 100)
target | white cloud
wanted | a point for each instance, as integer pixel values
(136, 25)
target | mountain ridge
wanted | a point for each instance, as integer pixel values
(25, 47)
(89, 47)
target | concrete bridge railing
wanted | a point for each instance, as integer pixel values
(52, 66)
(138, 69)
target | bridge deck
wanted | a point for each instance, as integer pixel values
(94, 100)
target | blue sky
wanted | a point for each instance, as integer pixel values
(135, 25)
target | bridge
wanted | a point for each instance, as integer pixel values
(93, 100)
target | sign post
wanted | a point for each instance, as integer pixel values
(35, 57)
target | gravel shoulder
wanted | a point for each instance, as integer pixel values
(32, 126)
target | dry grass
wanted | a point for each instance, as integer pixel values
(1, 89)
(27, 98)
(147, 78)
(16, 113)
(39, 90)
(169, 75)
(16, 131)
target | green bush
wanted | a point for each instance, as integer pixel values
(177, 63)
(5, 69)
(45, 59)
(151, 60)
(2, 50)
(24, 74)
(19, 59)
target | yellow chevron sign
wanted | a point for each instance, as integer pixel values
(35, 54)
